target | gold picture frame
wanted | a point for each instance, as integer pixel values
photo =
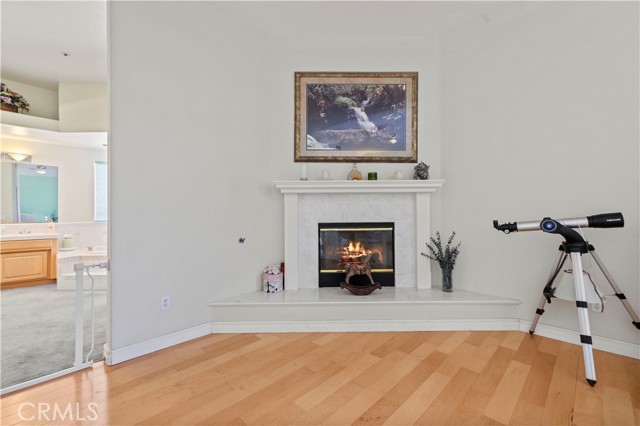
(356, 117)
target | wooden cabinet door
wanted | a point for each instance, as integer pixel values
(26, 266)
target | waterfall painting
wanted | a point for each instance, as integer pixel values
(356, 117)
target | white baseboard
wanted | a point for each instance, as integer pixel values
(119, 355)
(365, 326)
(619, 347)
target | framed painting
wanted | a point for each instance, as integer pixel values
(356, 117)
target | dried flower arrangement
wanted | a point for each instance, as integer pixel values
(445, 257)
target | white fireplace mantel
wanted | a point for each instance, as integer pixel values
(357, 186)
(421, 189)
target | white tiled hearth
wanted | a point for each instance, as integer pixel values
(387, 309)
(407, 203)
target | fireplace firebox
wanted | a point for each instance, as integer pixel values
(342, 244)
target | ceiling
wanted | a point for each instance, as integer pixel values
(35, 34)
(291, 20)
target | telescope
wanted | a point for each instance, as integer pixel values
(604, 220)
(574, 247)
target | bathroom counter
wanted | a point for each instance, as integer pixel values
(32, 236)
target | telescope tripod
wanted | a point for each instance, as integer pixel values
(575, 249)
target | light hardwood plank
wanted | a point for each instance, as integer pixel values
(617, 407)
(513, 339)
(560, 401)
(443, 409)
(506, 395)
(322, 391)
(349, 413)
(409, 412)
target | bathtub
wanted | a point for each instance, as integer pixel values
(66, 277)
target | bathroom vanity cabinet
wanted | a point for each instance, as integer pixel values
(28, 262)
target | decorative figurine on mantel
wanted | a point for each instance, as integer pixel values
(446, 258)
(421, 172)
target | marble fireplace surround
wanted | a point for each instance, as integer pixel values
(407, 203)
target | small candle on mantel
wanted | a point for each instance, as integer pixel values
(303, 172)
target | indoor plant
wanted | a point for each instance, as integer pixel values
(13, 100)
(445, 257)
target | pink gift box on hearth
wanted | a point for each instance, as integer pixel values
(272, 283)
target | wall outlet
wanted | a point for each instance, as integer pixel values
(165, 303)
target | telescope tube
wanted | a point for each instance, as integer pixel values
(604, 220)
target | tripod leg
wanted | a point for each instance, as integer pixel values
(543, 300)
(583, 318)
(539, 311)
(619, 294)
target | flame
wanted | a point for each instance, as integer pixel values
(353, 251)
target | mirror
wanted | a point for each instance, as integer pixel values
(29, 192)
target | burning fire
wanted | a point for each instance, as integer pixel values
(353, 251)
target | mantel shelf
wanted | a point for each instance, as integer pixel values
(357, 186)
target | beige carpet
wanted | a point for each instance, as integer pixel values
(38, 331)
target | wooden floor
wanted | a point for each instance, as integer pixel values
(430, 378)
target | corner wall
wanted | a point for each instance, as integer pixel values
(190, 170)
(540, 118)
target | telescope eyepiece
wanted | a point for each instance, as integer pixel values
(505, 227)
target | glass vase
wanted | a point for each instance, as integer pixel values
(354, 174)
(447, 280)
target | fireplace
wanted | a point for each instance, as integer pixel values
(406, 203)
(342, 244)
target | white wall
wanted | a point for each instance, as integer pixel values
(84, 107)
(189, 106)
(510, 87)
(75, 174)
(540, 118)
(42, 102)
